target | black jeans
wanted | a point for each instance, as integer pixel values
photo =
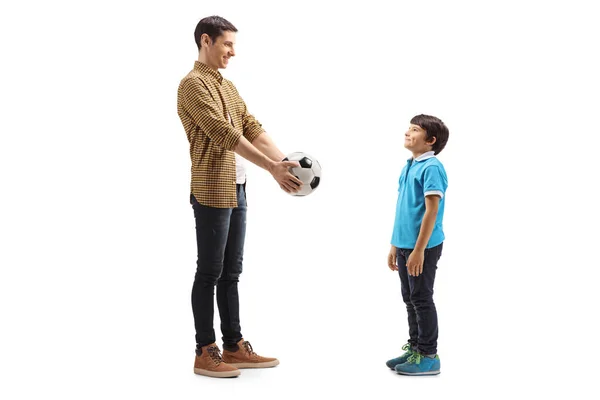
(220, 234)
(417, 293)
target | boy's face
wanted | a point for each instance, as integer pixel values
(415, 140)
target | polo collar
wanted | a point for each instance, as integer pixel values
(424, 156)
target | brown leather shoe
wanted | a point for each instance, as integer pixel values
(210, 363)
(245, 357)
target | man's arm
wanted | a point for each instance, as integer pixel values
(265, 144)
(279, 170)
(255, 135)
(254, 132)
(245, 149)
(201, 107)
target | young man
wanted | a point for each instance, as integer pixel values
(417, 242)
(220, 130)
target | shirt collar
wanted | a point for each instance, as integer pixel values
(424, 156)
(206, 70)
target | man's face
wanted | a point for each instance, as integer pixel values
(415, 139)
(219, 52)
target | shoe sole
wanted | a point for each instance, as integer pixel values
(267, 364)
(393, 368)
(215, 374)
(419, 373)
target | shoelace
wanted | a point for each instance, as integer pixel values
(248, 348)
(215, 354)
(415, 358)
(406, 347)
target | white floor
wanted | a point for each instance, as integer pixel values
(134, 339)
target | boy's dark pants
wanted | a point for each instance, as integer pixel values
(220, 234)
(417, 293)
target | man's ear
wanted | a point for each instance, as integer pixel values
(205, 39)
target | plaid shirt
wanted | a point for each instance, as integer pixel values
(214, 117)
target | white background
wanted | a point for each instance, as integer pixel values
(97, 236)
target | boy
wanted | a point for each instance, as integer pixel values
(417, 242)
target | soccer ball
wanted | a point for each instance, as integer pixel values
(309, 172)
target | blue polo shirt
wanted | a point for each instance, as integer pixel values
(421, 177)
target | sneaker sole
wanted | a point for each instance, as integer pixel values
(215, 374)
(267, 364)
(393, 368)
(419, 373)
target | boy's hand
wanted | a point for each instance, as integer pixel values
(415, 262)
(392, 259)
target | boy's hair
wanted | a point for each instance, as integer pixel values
(214, 27)
(434, 127)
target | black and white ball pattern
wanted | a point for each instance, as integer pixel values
(309, 172)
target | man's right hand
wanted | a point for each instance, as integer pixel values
(288, 182)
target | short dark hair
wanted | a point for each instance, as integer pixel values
(434, 127)
(214, 27)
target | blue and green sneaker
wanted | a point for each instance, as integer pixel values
(402, 359)
(418, 364)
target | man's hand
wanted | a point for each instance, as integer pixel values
(392, 259)
(415, 262)
(288, 182)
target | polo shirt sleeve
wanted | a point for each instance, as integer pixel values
(434, 182)
(205, 113)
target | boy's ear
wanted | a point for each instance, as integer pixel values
(431, 141)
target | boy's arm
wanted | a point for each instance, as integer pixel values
(432, 203)
(417, 257)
